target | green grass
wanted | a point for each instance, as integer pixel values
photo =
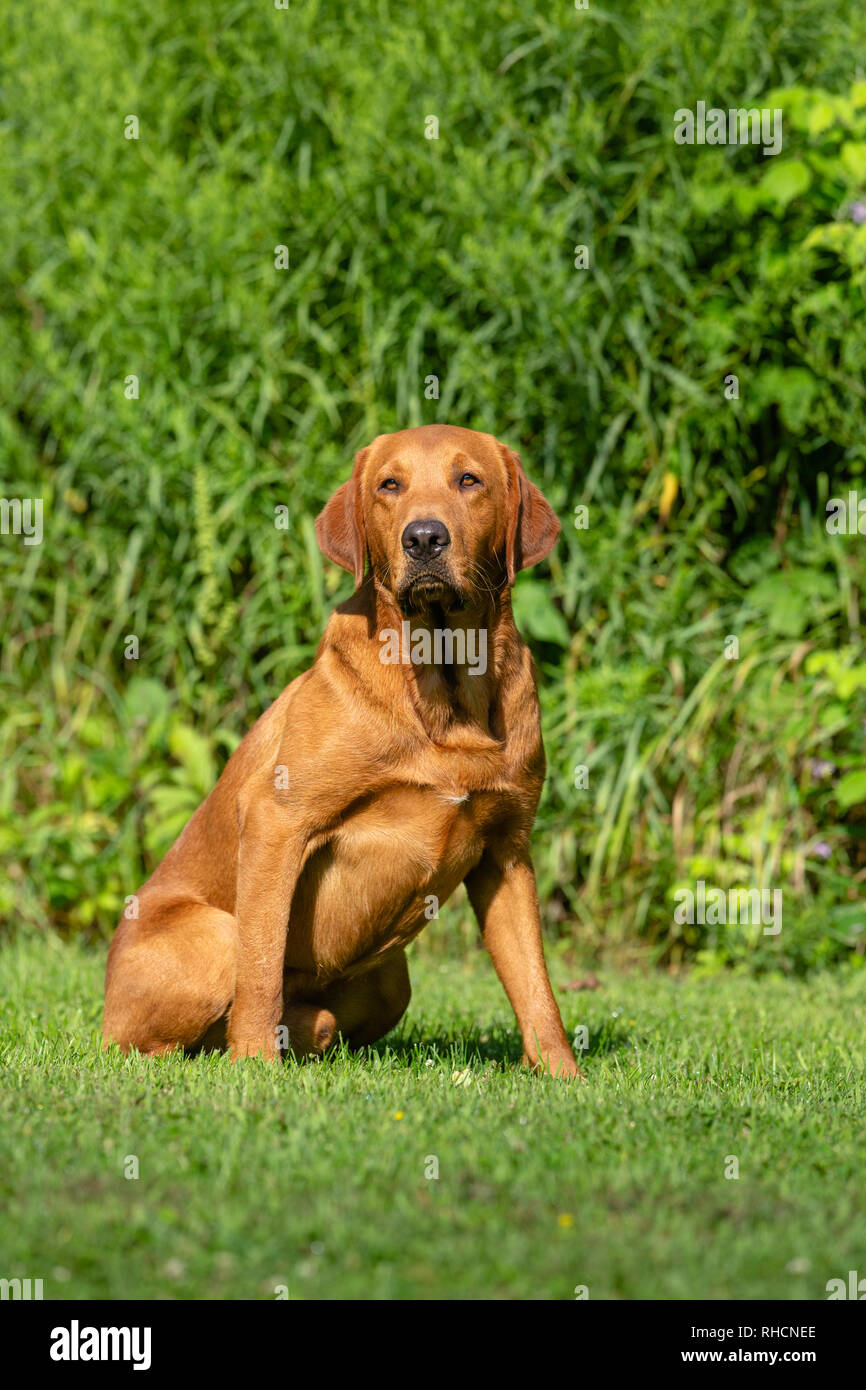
(312, 1176)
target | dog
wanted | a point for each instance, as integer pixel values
(379, 780)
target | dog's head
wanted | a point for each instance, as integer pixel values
(445, 514)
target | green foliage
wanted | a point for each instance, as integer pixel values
(454, 257)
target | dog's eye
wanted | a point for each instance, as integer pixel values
(389, 485)
(470, 480)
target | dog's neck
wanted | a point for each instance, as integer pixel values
(449, 661)
(451, 666)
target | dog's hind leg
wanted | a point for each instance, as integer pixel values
(170, 977)
(361, 1009)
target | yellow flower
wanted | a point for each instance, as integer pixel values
(565, 1219)
(398, 1114)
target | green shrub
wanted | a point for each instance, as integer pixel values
(455, 257)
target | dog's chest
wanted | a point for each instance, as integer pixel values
(384, 873)
(411, 837)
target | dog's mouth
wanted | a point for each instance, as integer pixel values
(428, 587)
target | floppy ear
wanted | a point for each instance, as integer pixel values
(340, 525)
(532, 525)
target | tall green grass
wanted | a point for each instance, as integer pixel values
(411, 258)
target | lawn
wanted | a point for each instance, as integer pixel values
(313, 1176)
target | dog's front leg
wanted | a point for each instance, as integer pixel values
(504, 896)
(270, 857)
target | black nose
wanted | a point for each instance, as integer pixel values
(422, 540)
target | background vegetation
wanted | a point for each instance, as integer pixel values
(454, 257)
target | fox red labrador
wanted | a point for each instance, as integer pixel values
(406, 761)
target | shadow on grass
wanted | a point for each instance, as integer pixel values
(412, 1046)
(471, 1047)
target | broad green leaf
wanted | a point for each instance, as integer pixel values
(536, 615)
(785, 180)
(854, 159)
(194, 754)
(851, 789)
